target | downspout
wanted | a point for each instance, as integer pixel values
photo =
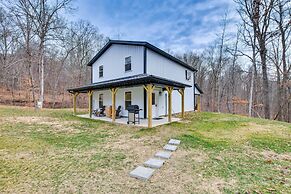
(144, 91)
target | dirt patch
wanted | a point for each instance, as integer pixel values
(270, 155)
(55, 125)
(139, 149)
(215, 185)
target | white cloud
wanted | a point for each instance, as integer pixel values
(175, 25)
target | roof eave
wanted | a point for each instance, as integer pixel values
(132, 81)
(139, 43)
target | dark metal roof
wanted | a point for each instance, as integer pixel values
(198, 88)
(140, 43)
(129, 81)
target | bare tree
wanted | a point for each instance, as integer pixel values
(280, 44)
(44, 15)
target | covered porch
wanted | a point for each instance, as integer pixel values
(143, 122)
(149, 83)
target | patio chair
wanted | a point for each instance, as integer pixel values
(118, 110)
(99, 112)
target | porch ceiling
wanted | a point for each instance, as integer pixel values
(135, 80)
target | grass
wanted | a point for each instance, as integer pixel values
(54, 152)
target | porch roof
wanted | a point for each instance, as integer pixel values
(135, 80)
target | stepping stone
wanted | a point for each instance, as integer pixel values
(174, 141)
(170, 147)
(163, 154)
(154, 163)
(142, 173)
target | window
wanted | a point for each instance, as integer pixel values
(128, 63)
(101, 71)
(127, 99)
(188, 74)
(153, 99)
(100, 100)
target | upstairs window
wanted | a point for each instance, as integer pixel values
(101, 71)
(127, 99)
(100, 100)
(128, 63)
(188, 74)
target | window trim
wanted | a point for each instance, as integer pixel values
(100, 101)
(127, 100)
(125, 63)
(101, 66)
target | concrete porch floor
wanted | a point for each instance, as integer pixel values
(143, 122)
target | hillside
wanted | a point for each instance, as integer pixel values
(52, 151)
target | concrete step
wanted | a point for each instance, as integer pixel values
(174, 142)
(169, 147)
(163, 154)
(142, 173)
(154, 163)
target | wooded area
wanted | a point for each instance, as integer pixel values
(249, 74)
(42, 54)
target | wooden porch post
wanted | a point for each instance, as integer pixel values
(113, 95)
(181, 91)
(90, 92)
(198, 104)
(169, 90)
(149, 88)
(75, 94)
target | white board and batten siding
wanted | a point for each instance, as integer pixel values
(136, 93)
(113, 60)
(163, 67)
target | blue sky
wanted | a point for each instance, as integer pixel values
(169, 24)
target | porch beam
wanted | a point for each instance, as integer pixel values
(182, 92)
(170, 91)
(113, 95)
(90, 92)
(75, 94)
(149, 88)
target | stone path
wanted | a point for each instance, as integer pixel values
(144, 173)
(169, 147)
(163, 154)
(154, 163)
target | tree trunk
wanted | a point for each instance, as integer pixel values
(266, 99)
(279, 97)
(251, 92)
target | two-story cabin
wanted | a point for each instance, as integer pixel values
(137, 73)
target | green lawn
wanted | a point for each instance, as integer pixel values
(51, 151)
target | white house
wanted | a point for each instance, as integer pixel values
(129, 72)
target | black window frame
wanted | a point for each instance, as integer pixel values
(99, 101)
(127, 102)
(127, 63)
(101, 71)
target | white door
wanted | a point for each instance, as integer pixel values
(155, 105)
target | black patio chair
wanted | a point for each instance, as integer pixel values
(99, 112)
(118, 110)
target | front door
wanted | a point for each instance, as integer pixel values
(155, 105)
